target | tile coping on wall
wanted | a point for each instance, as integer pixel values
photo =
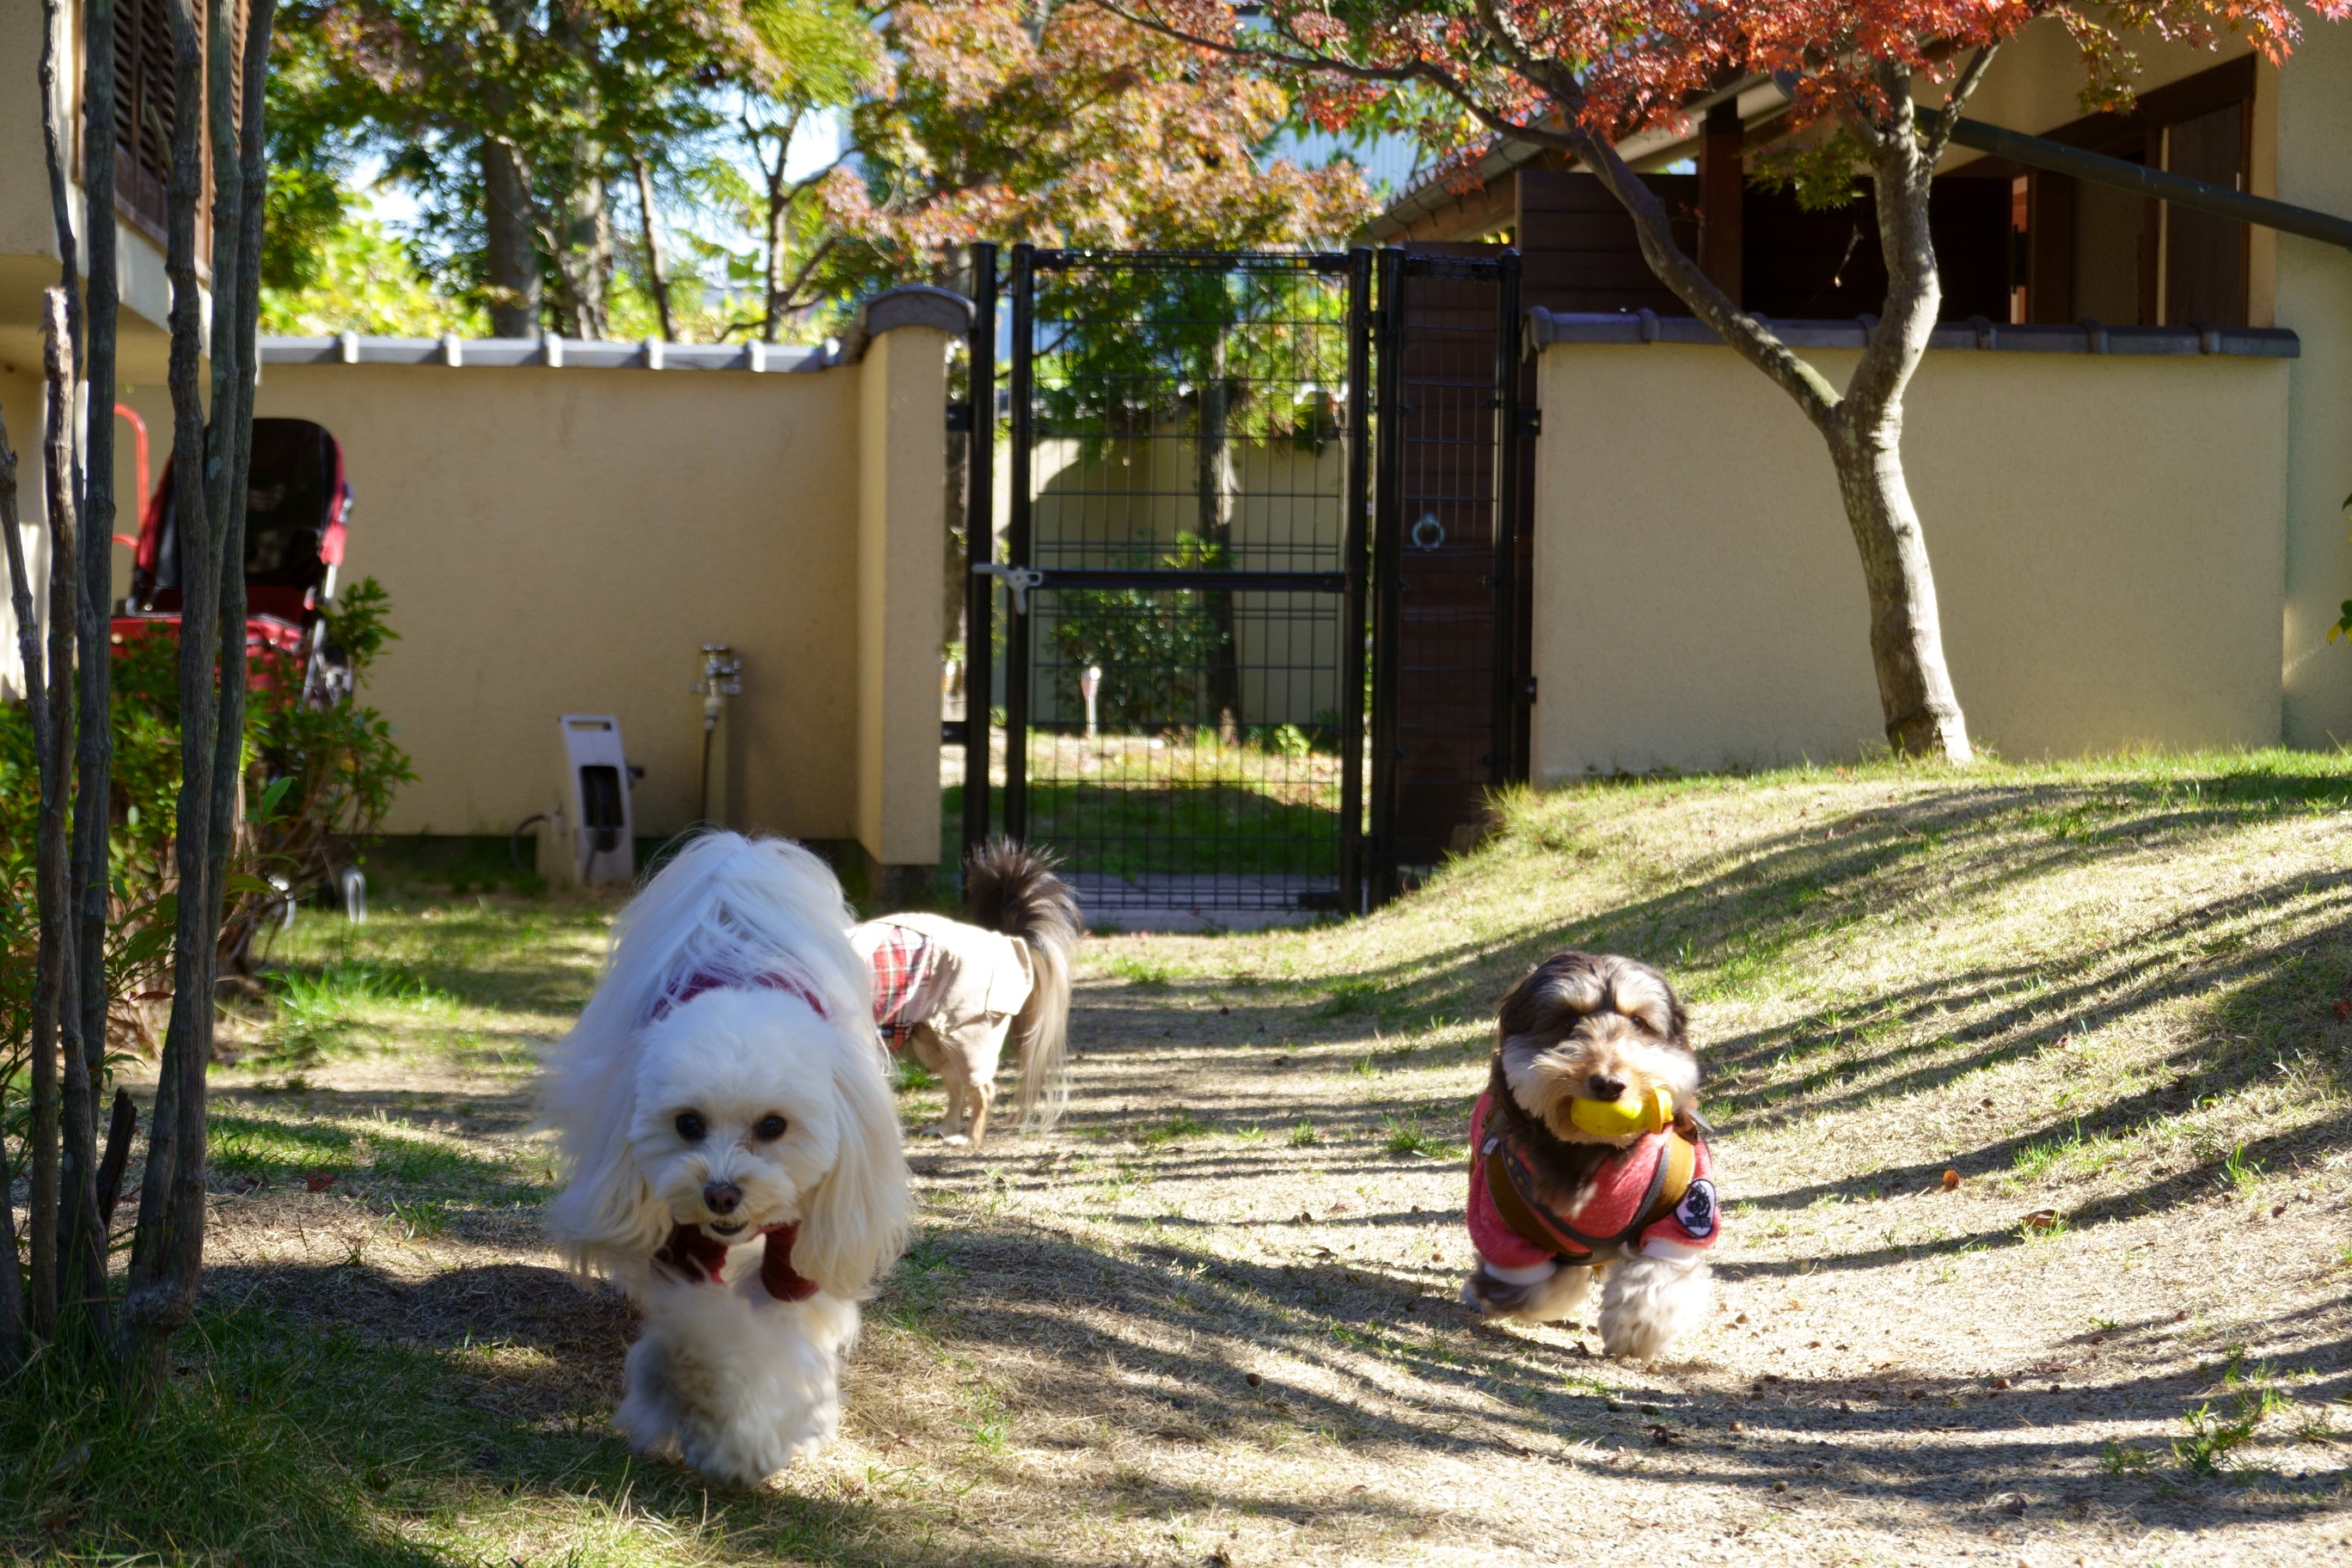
(351, 348)
(1545, 327)
(911, 306)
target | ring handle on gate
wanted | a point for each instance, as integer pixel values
(1428, 533)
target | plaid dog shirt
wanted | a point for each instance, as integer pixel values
(904, 961)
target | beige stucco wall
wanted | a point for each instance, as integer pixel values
(566, 540)
(2313, 287)
(2302, 130)
(902, 457)
(2106, 582)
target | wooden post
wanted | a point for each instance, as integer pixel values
(1722, 192)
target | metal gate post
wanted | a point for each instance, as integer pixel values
(1387, 560)
(979, 546)
(1017, 549)
(1354, 562)
(1506, 517)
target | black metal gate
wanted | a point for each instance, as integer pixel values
(1183, 562)
(1181, 599)
(1449, 671)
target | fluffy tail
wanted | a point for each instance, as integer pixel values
(1013, 890)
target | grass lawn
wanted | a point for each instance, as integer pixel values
(1135, 806)
(1211, 1319)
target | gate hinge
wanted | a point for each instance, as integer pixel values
(1530, 421)
(959, 417)
(1526, 689)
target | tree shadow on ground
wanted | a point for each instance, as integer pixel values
(501, 1379)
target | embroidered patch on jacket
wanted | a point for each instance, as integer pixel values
(1695, 1213)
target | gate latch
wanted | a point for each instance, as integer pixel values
(1020, 578)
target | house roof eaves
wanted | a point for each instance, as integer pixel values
(1434, 193)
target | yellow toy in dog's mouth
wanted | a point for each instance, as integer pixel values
(1639, 1111)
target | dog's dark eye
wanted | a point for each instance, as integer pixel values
(690, 1127)
(771, 1127)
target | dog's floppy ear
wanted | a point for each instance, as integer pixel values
(606, 1213)
(855, 1222)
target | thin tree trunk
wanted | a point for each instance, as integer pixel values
(1922, 712)
(167, 1248)
(778, 233)
(511, 222)
(29, 657)
(653, 276)
(224, 501)
(239, 244)
(84, 1233)
(56, 1016)
(55, 1012)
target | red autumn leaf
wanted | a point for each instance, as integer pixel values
(318, 1181)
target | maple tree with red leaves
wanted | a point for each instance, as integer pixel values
(1578, 77)
(1065, 125)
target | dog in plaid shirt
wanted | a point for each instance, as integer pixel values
(952, 993)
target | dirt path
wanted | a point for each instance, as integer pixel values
(1211, 1319)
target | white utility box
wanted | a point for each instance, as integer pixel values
(592, 833)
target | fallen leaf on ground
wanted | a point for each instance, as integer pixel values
(2042, 1219)
(318, 1181)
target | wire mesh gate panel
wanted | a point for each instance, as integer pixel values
(1184, 563)
(1446, 646)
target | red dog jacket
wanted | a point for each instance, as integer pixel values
(1631, 1205)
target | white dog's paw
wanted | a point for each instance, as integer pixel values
(648, 1416)
(955, 1140)
(736, 1457)
(1647, 1303)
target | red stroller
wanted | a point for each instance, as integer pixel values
(298, 507)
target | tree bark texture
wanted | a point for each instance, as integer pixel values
(85, 1234)
(54, 1008)
(56, 1018)
(236, 254)
(511, 222)
(655, 278)
(167, 1247)
(29, 655)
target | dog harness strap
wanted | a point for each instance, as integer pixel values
(1508, 1181)
(1681, 1160)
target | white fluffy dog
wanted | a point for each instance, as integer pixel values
(734, 1152)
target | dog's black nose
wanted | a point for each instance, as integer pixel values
(720, 1197)
(1603, 1087)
